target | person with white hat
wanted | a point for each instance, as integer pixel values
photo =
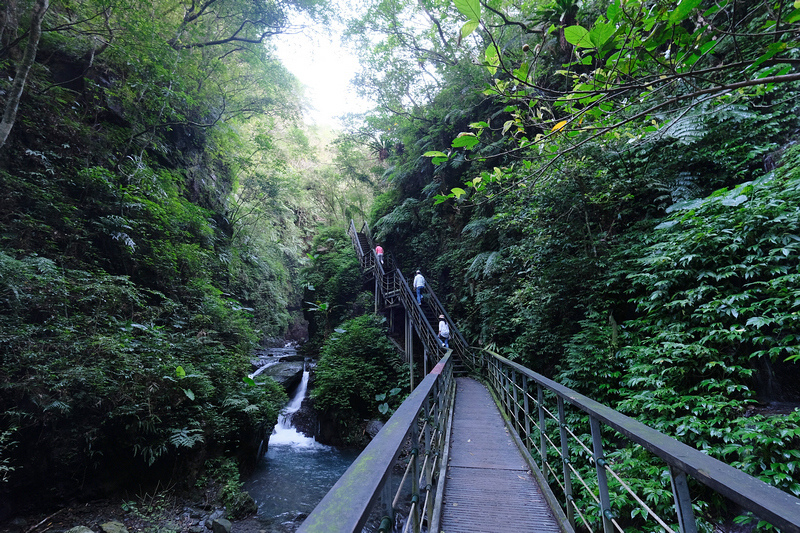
(444, 332)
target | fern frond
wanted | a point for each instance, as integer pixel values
(185, 437)
(477, 227)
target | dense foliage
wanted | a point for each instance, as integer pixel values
(357, 370)
(606, 192)
(156, 207)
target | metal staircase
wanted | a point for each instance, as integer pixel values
(392, 290)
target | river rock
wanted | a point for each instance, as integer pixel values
(221, 525)
(288, 375)
(373, 427)
(114, 527)
(80, 529)
(304, 419)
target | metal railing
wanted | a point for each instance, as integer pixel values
(546, 417)
(369, 491)
(457, 342)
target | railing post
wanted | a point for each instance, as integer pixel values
(526, 412)
(542, 436)
(514, 397)
(602, 480)
(410, 350)
(431, 408)
(414, 516)
(387, 498)
(507, 388)
(377, 290)
(562, 424)
(683, 501)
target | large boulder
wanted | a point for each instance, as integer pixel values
(288, 374)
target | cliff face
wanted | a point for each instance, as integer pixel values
(124, 337)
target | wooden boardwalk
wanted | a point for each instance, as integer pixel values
(489, 487)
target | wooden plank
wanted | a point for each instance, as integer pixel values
(489, 487)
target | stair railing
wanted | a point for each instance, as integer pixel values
(364, 258)
(457, 342)
(550, 422)
(369, 491)
(394, 284)
(429, 337)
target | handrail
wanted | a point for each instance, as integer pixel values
(425, 330)
(423, 417)
(460, 345)
(514, 386)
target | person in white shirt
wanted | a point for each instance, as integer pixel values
(444, 332)
(419, 284)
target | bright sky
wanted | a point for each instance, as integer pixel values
(326, 69)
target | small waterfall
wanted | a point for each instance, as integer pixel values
(284, 433)
(296, 472)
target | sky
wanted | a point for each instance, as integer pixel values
(325, 68)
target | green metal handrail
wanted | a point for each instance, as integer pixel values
(546, 435)
(369, 491)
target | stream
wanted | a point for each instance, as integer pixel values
(295, 473)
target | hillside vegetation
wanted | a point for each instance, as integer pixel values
(158, 192)
(607, 192)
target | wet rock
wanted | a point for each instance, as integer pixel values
(373, 427)
(79, 529)
(221, 525)
(305, 419)
(216, 515)
(288, 375)
(114, 527)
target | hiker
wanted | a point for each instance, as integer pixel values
(419, 284)
(444, 332)
(379, 252)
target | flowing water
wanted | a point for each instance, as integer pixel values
(295, 473)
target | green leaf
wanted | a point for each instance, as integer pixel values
(601, 33)
(578, 36)
(458, 192)
(492, 58)
(469, 8)
(522, 72)
(250, 382)
(434, 153)
(465, 140)
(613, 11)
(469, 27)
(189, 394)
(733, 202)
(683, 10)
(180, 372)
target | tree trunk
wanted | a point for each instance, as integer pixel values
(14, 95)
